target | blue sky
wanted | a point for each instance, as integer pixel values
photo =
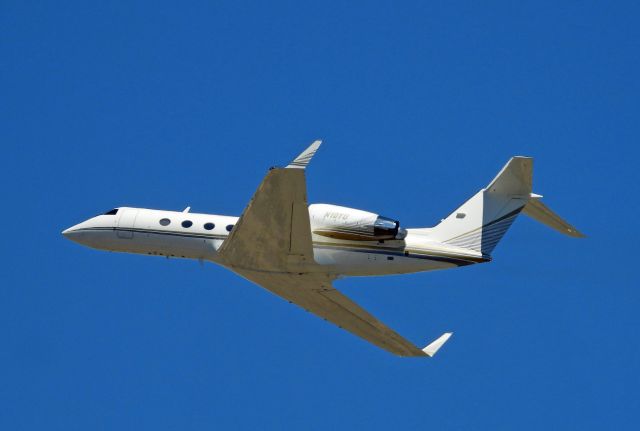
(161, 105)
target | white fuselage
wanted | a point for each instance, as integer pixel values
(169, 233)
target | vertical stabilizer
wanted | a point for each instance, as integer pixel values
(481, 222)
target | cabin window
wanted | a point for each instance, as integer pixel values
(165, 222)
(229, 227)
(187, 223)
(209, 226)
(112, 212)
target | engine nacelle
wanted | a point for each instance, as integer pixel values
(351, 224)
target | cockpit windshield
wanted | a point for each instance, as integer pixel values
(112, 212)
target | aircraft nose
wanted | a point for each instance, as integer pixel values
(72, 233)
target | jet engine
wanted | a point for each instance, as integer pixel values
(351, 224)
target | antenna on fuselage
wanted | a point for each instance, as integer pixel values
(186, 210)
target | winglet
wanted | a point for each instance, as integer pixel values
(433, 348)
(303, 159)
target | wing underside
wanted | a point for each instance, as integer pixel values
(315, 293)
(274, 232)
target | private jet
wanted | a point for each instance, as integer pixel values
(297, 250)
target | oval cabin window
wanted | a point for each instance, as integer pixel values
(165, 222)
(229, 227)
(209, 226)
(187, 223)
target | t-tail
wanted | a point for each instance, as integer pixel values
(481, 222)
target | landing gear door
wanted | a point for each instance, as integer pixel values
(126, 222)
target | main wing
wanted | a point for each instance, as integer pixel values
(274, 232)
(271, 246)
(315, 293)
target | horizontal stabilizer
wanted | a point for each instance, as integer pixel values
(540, 212)
(433, 348)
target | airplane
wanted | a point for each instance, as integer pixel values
(296, 250)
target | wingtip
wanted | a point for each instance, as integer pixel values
(575, 233)
(435, 345)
